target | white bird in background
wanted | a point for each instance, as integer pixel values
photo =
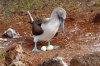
(46, 29)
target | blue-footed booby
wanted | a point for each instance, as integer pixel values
(46, 29)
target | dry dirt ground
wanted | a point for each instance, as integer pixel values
(81, 37)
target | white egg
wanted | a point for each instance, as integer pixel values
(43, 48)
(50, 47)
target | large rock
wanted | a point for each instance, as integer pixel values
(86, 60)
(55, 61)
(14, 55)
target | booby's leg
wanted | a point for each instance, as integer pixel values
(49, 43)
(35, 47)
(55, 46)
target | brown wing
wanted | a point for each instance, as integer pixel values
(36, 26)
(36, 29)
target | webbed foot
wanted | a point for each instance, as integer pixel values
(35, 50)
(55, 46)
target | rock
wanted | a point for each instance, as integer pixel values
(55, 61)
(91, 3)
(14, 55)
(2, 39)
(11, 33)
(86, 60)
(17, 63)
(1, 47)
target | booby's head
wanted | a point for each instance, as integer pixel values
(60, 14)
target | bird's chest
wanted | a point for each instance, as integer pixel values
(50, 30)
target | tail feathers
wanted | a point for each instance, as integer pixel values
(30, 16)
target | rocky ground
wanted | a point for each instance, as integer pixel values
(82, 36)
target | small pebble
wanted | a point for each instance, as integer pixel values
(1, 47)
(1, 39)
(5, 39)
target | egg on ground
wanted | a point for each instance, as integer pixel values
(43, 48)
(50, 47)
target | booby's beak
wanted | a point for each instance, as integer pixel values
(62, 23)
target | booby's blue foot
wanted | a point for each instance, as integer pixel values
(55, 46)
(35, 48)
